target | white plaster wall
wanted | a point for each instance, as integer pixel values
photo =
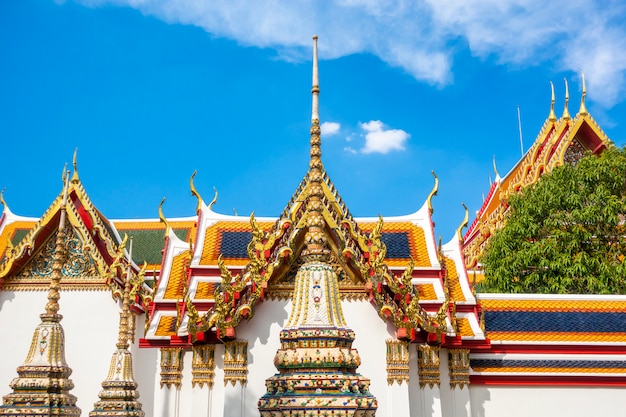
(519, 401)
(90, 321)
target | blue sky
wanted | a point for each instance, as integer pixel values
(149, 91)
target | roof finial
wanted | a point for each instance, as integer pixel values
(583, 108)
(432, 193)
(163, 219)
(75, 178)
(552, 116)
(212, 203)
(566, 114)
(495, 170)
(464, 223)
(2, 201)
(315, 115)
(195, 192)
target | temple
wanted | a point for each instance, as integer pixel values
(310, 313)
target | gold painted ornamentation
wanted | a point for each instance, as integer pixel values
(203, 365)
(428, 366)
(171, 366)
(397, 362)
(236, 362)
(401, 304)
(459, 367)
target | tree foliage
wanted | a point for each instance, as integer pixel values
(565, 234)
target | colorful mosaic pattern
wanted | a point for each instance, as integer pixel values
(148, 238)
(403, 240)
(14, 232)
(229, 239)
(568, 366)
(555, 320)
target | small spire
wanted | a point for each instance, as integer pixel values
(52, 307)
(75, 178)
(118, 397)
(552, 116)
(566, 114)
(583, 109)
(122, 341)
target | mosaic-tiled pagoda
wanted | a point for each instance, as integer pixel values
(316, 360)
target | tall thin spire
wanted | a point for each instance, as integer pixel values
(583, 109)
(316, 248)
(566, 114)
(552, 116)
(119, 393)
(52, 307)
(43, 385)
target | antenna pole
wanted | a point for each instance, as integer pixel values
(519, 126)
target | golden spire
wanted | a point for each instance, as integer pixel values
(119, 391)
(122, 340)
(75, 178)
(552, 116)
(316, 248)
(583, 109)
(566, 114)
(52, 307)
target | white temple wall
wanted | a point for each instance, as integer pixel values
(90, 322)
(371, 334)
(546, 401)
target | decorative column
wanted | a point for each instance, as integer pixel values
(203, 374)
(429, 379)
(171, 379)
(235, 371)
(459, 368)
(42, 387)
(398, 372)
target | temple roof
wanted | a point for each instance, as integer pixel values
(562, 140)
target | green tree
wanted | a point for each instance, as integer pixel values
(565, 234)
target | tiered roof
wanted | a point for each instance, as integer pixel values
(563, 140)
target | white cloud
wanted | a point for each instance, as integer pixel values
(350, 150)
(422, 36)
(330, 128)
(381, 140)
